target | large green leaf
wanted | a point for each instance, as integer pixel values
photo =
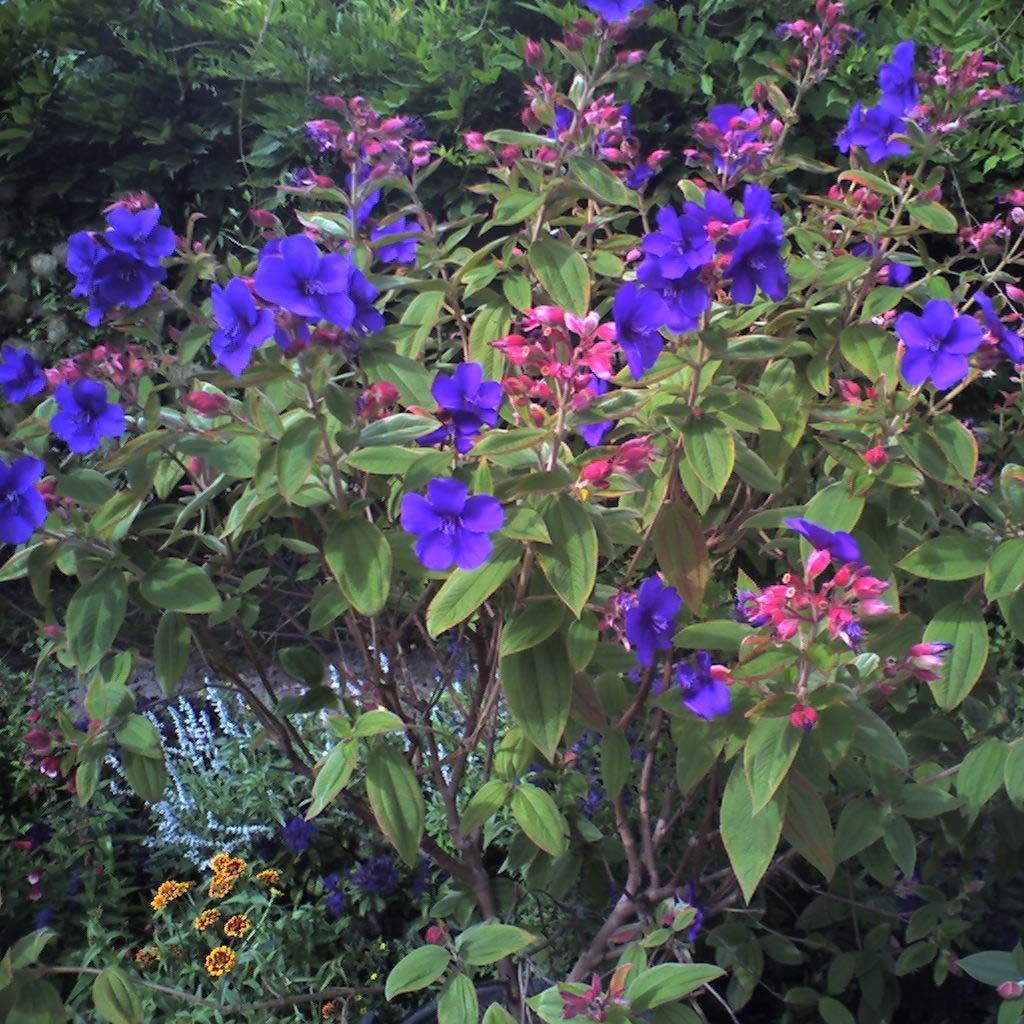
(570, 560)
(296, 453)
(170, 655)
(360, 557)
(95, 615)
(750, 839)
(464, 592)
(539, 817)
(538, 684)
(416, 970)
(667, 983)
(488, 943)
(1004, 574)
(333, 776)
(682, 552)
(457, 1003)
(563, 273)
(116, 998)
(179, 586)
(963, 626)
(769, 752)
(807, 825)
(396, 799)
(710, 451)
(954, 556)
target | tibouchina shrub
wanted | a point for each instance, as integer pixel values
(683, 468)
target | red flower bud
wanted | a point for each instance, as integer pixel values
(1010, 990)
(263, 218)
(876, 457)
(534, 53)
(476, 142)
(573, 41)
(207, 403)
(436, 934)
(803, 717)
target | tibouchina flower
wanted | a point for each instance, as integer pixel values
(453, 528)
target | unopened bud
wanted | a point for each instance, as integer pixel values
(207, 403)
(534, 53)
(876, 457)
(1010, 990)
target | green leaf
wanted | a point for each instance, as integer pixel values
(94, 617)
(563, 273)
(535, 623)
(570, 560)
(487, 801)
(1004, 574)
(881, 300)
(517, 291)
(876, 738)
(835, 508)
(27, 949)
(990, 968)
(488, 943)
(360, 557)
(396, 429)
(807, 826)
(333, 776)
(1013, 773)
(682, 552)
(373, 723)
(933, 216)
(85, 486)
(464, 592)
(981, 774)
(714, 635)
(141, 736)
(31, 1000)
(179, 586)
(416, 970)
(710, 451)
(769, 752)
(698, 744)
(146, 775)
(861, 822)
(296, 453)
(396, 799)
(841, 269)
(869, 349)
(115, 997)
(963, 626)
(170, 654)
(457, 1003)
(516, 205)
(954, 556)
(596, 177)
(833, 1012)
(540, 819)
(538, 685)
(750, 839)
(616, 763)
(666, 983)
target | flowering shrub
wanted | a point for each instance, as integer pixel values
(687, 472)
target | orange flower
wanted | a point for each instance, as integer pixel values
(237, 925)
(219, 862)
(206, 919)
(147, 955)
(168, 891)
(221, 886)
(269, 877)
(221, 960)
(328, 1009)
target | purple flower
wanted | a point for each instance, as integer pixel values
(368, 318)
(84, 253)
(717, 208)
(745, 609)
(140, 235)
(471, 402)
(639, 176)
(377, 875)
(335, 903)
(698, 922)
(706, 696)
(20, 374)
(121, 280)
(875, 131)
(564, 117)
(685, 298)
(299, 834)
(1012, 344)
(22, 509)
(899, 90)
(452, 527)
(403, 251)
(367, 206)
(594, 433)
(896, 274)
(307, 283)
(332, 881)
(840, 544)
(651, 621)
(938, 343)
(639, 316)
(86, 416)
(757, 259)
(680, 244)
(243, 325)
(614, 10)
(722, 117)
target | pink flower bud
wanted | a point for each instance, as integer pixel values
(436, 935)
(876, 457)
(263, 218)
(1010, 990)
(759, 92)
(803, 717)
(628, 58)
(207, 403)
(572, 41)
(533, 52)
(1015, 293)
(817, 563)
(476, 142)
(510, 154)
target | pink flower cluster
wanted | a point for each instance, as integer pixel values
(736, 142)
(120, 366)
(595, 1003)
(386, 145)
(838, 603)
(823, 39)
(630, 458)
